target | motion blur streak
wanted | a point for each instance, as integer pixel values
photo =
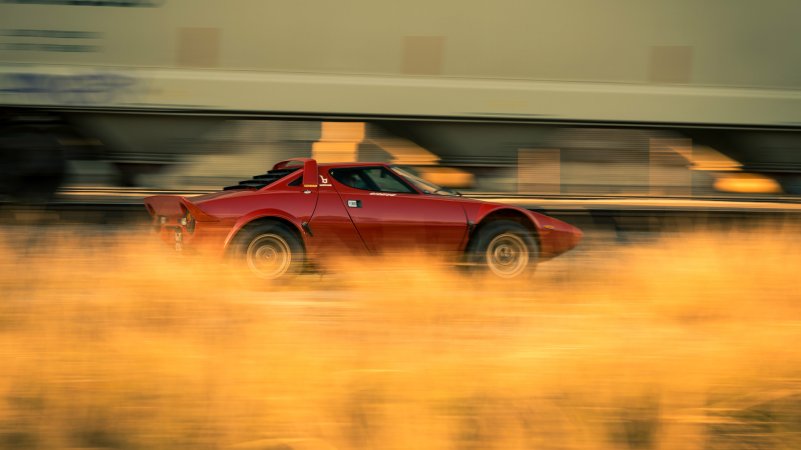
(687, 343)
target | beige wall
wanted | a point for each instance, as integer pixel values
(715, 61)
(714, 42)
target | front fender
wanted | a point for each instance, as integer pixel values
(554, 236)
(487, 209)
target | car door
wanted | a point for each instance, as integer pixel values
(333, 234)
(391, 216)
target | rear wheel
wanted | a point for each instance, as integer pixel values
(270, 251)
(504, 248)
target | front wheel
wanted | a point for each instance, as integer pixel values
(504, 248)
(270, 251)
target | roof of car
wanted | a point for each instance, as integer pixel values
(280, 170)
(298, 163)
(351, 164)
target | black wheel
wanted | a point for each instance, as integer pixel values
(270, 251)
(504, 248)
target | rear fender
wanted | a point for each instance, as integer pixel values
(249, 218)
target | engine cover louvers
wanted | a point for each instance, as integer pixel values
(260, 181)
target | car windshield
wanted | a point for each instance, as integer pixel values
(426, 187)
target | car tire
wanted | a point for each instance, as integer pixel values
(270, 251)
(505, 249)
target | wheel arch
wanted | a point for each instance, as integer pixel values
(246, 223)
(508, 214)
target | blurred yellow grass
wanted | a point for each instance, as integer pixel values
(691, 342)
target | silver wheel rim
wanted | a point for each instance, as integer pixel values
(507, 255)
(269, 256)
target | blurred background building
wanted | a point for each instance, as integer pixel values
(538, 98)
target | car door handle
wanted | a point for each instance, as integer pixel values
(354, 203)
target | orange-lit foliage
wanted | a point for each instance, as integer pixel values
(688, 343)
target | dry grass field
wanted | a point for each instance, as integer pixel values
(692, 342)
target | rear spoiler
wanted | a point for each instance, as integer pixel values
(175, 206)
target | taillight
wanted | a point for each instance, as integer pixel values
(188, 222)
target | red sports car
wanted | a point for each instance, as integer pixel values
(300, 215)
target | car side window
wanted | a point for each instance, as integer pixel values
(376, 179)
(386, 180)
(351, 178)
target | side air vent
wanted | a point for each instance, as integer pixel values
(260, 181)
